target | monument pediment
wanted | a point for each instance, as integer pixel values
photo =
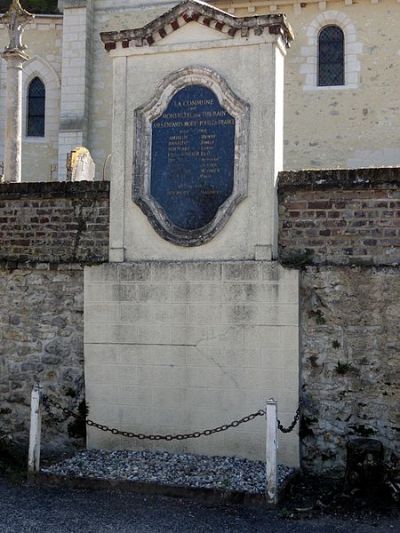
(192, 32)
(201, 13)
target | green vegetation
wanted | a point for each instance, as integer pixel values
(363, 431)
(343, 368)
(33, 6)
(298, 258)
(318, 315)
(77, 428)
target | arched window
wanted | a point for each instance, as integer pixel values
(331, 56)
(36, 108)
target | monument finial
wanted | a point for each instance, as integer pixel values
(16, 19)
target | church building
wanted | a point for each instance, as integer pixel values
(341, 106)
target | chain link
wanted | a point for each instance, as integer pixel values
(47, 404)
(291, 426)
(142, 436)
(184, 436)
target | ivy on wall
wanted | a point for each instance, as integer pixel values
(34, 6)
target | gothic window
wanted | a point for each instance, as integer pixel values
(36, 108)
(331, 56)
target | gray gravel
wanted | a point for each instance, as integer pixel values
(183, 470)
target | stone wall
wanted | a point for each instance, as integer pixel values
(48, 232)
(41, 331)
(350, 363)
(349, 307)
(334, 222)
(54, 222)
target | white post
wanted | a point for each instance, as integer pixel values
(35, 429)
(271, 485)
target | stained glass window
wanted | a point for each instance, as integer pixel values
(331, 56)
(36, 108)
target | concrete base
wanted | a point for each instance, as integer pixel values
(212, 496)
(175, 347)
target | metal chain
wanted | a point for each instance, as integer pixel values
(195, 435)
(47, 403)
(143, 436)
(184, 436)
(290, 428)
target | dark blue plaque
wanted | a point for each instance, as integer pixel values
(192, 157)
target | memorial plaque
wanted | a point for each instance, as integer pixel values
(192, 157)
(190, 166)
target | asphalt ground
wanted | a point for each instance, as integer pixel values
(26, 509)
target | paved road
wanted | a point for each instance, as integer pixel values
(26, 509)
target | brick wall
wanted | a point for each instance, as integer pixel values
(55, 222)
(340, 216)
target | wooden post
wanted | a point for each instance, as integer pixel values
(271, 486)
(35, 429)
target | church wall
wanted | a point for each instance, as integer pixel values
(43, 38)
(342, 226)
(353, 126)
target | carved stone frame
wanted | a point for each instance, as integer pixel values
(148, 113)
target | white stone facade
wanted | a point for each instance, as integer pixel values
(37, 66)
(352, 50)
(44, 39)
(75, 83)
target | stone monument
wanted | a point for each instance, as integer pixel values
(192, 323)
(15, 55)
(80, 165)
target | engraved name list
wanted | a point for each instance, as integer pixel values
(192, 157)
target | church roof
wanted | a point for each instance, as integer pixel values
(206, 14)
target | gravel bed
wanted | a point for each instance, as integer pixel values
(174, 469)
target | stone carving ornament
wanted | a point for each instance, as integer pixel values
(190, 161)
(16, 19)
